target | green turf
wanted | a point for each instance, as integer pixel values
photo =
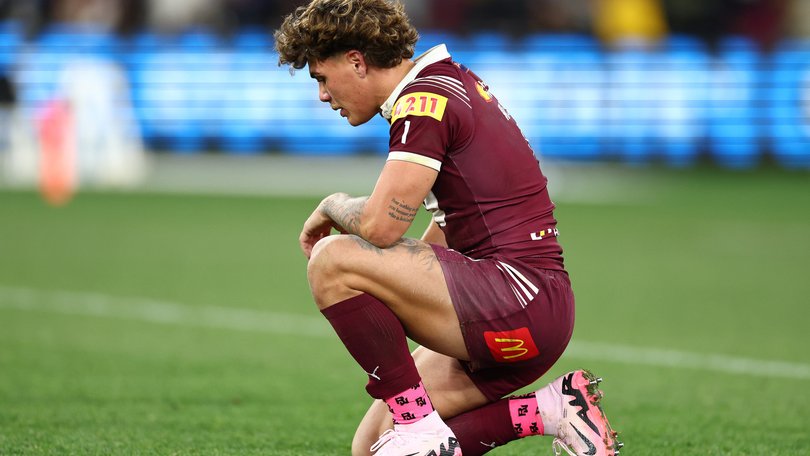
(708, 262)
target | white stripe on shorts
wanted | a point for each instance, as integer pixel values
(514, 284)
(522, 277)
(521, 281)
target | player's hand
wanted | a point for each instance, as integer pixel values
(317, 227)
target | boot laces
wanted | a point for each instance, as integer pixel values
(559, 446)
(397, 438)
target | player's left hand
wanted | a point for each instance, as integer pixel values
(317, 227)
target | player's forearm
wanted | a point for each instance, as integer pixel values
(358, 216)
(345, 211)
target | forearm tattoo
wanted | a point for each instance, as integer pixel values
(402, 212)
(345, 211)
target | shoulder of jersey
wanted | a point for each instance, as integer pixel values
(428, 96)
(443, 83)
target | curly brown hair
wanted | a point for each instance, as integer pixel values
(378, 28)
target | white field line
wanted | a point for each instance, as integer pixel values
(164, 312)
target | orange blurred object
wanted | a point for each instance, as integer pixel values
(57, 178)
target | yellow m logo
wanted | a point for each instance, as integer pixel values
(518, 347)
(511, 346)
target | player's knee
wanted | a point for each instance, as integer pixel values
(322, 261)
(333, 251)
(327, 267)
(326, 255)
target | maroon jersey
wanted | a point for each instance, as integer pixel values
(490, 196)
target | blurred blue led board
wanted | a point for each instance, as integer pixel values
(560, 95)
(573, 98)
(736, 117)
(789, 109)
(680, 100)
(11, 37)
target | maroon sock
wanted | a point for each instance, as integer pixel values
(481, 430)
(376, 340)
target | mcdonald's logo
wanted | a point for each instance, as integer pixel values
(511, 346)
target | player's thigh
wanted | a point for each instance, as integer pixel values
(450, 390)
(407, 271)
(407, 277)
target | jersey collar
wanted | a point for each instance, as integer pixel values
(433, 55)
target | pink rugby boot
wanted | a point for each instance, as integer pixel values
(581, 428)
(427, 437)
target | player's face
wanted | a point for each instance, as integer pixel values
(342, 84)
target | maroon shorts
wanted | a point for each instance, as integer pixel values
(516, 319)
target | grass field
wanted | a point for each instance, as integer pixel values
(169, 324)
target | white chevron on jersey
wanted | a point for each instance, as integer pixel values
(451, 85)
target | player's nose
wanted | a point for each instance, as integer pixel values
(323, 95)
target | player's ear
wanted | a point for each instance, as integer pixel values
(358, 62)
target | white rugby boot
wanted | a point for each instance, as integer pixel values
(427, 437)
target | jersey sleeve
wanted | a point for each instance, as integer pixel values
(427, 119)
